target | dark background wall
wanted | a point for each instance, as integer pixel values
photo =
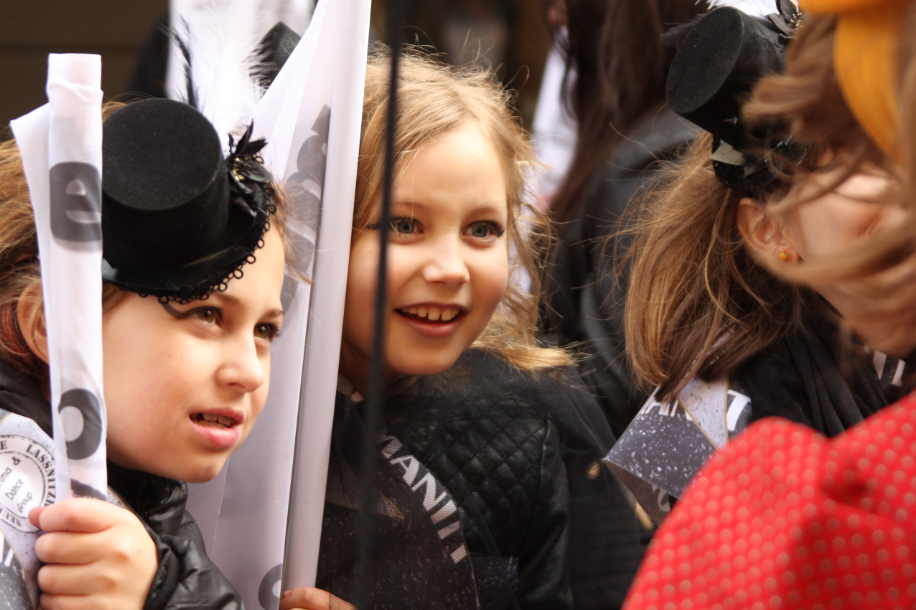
(115, 29)
(30, 29)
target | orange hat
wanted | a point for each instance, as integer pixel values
(865, 60)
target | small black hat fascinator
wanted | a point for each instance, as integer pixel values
(720, 57)
(179, 217)
(178, 220)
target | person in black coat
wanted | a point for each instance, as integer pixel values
(184, 577)
(519, 453)
(617, 67)
(491, 490)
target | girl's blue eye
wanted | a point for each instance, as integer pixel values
(403, 226)
(484, 230)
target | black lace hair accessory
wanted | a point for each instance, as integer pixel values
(720, 57)
(179, 221)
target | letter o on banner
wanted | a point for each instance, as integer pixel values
(87, 443)
(266, 595)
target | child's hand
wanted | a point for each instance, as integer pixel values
(310, 598)
(97, 556)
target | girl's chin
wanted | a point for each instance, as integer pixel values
(433, 365)
(200, 472)
(191, 471)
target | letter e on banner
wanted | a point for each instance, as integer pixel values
(76, 209)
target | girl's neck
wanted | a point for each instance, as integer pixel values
(354, 367)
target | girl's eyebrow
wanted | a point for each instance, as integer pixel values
(231, 299)
(485, 207)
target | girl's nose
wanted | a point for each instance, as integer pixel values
(242, 369)
(445, 264)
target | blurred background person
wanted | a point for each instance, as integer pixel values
(616, 70)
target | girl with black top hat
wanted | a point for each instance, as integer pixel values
(491, 492)
(820, 522)
(193, 267)
(718, 316)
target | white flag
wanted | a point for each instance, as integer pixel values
(61, 147)
(311, 119)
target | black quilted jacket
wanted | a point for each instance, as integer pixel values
(186, 578)
(521, 455)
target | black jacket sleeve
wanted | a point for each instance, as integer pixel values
(186, 577)
(543, 569)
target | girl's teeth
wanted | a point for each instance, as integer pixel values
(433, 314)
(215, 420)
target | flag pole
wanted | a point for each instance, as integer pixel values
(376, 382)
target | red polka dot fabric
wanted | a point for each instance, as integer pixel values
(784, 518)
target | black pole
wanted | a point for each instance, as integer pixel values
(375, 383)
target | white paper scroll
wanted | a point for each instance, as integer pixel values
(262, 516)
(61, 146)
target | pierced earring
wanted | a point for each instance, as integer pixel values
(784, 256)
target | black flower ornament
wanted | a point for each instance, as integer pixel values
(249, 177)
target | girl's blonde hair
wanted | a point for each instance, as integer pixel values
(433, 99)
(20, 273)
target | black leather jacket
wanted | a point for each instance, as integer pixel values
(585, 292)
(186, 578)
(521, 455)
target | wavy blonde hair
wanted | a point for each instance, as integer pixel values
(433, 99)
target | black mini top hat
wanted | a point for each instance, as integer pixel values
(178, 220)
(275, 48)
(718, 62)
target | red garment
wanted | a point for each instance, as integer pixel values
(784, 518)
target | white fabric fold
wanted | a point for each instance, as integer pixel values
(262, 516)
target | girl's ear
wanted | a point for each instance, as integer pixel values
(30, 315)
(764, 236)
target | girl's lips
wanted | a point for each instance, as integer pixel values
(218, 436)
(431, 329)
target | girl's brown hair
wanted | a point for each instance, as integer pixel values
(698, 304)
(618, 67)
(20, 273)
(433, 99)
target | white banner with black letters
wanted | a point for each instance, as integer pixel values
(310, 118)
(61, 149)
(61, 146)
